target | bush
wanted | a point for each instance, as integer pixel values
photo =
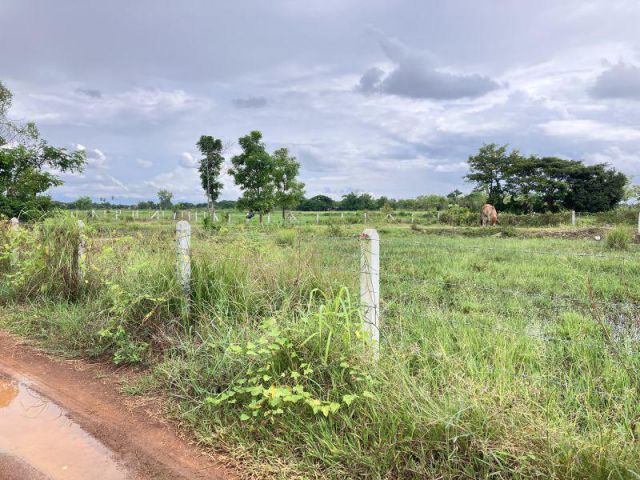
(286, 238)
(334, 230)
(618, 239)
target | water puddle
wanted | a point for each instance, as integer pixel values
(36, 432)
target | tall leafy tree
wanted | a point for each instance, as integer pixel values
(489, 170)
(289, 191)
(253, 171)
(29, 166)
(210, 168)
(595, 188)
(164, 199)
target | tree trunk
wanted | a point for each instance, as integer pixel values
(283, 214)
(260, 218)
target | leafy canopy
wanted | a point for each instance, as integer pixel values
(210, 166)
(253, 171)
(164, 199)
(520, 184)
(29, 165)
(288, 190)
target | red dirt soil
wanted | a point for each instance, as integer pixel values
(146, 446)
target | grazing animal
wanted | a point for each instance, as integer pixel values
(488, 215)
(250, 215)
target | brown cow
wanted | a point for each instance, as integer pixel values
(488, 215)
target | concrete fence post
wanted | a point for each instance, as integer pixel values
(573, 218)
(183, 245)
(196, 215)
(365, 217)
(82, 252)
(317, 218)
(638, 223)
(370, 285)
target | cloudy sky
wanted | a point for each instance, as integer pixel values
(382, 96)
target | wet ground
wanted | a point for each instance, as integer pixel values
(39, 441)
(68, 419)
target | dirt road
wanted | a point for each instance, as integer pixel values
(78, 405)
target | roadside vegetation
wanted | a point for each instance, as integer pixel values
(500, 357)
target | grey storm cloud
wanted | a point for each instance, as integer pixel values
(621, 80)
(89, 92)
(250, 102)
(141, 81)
(415, 76)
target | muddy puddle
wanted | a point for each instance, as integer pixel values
(38, 440)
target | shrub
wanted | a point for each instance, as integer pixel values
(334, 230)
(618, 239)
(286, 238)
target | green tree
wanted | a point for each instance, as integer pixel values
(490, 169)
(253, 172)
(319, 203)
(289, 191)
(26, 165)
(164, 199)
(210, 168)
(82, 203)
(632, 192)
(595, 188)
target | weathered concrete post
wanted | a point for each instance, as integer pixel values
(370, 284)
(365, 217)
(573, 218)
(269, 218)
(317, 218)
(183, 245)
(196, 215)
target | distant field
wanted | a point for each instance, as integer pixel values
(500, 356)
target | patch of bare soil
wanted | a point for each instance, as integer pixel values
(146, 447)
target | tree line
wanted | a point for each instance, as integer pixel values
(525, 184)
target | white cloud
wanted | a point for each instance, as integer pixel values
(591, 130)
(144, 163)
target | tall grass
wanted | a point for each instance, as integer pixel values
(486, 369)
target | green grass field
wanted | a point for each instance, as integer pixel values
(500, 357)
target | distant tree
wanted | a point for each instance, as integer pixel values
(146, 205)
(473, 201)
(210, 168)
(319, 203)
(253, 172)
(227, 204)
(82, 203)
(632, 192)
(164, 199)
(27, 163)
(353, 201)
(289, 191)
(431, 202)
(454, 196)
